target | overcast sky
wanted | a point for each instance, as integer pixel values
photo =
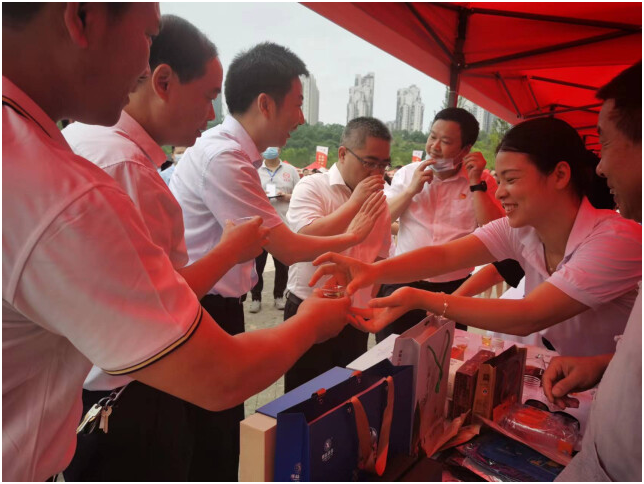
(333, 55)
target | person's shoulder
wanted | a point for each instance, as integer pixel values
(612, 222)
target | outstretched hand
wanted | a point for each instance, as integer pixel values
(344, 271)
(364, 221)
(385, 310)
(246, 240)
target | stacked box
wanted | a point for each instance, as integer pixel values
(465, 384)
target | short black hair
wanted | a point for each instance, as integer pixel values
(357, 131)
(626, 91)
(266, 68)
(183, 47)
(468, 123)
(18, 14)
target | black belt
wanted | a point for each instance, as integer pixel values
(293, 298)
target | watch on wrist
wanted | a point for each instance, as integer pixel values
(480, 187)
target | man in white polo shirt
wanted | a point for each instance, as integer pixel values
(440, 199)
(168, 107)
(325, 204)
(82, 282)
(278, 181)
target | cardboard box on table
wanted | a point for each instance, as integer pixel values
(257, 432)
(465, 385)
(427, 346)
(318, 439)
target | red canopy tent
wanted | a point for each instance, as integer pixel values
(517, 60)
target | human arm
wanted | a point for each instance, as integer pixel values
(419, 264)
(487, 277)
(290, 247)
(217, 371)
(486, 207)
(237, 244)
(567, 375)
(399, 202)
(542, 308)
(338, 220)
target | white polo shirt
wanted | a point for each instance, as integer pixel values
(217, 180)
(317, 196)
(128, 154)
(284, 177)
(81, 282)
(443, 211)
(601, 268)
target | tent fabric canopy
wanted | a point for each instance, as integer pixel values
(517, 60)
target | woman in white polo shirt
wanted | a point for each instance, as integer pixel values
(582, 264)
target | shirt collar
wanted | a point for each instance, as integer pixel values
(264, 165)
(335, 177)
(24, 105)
(140, 136)
(248, 146)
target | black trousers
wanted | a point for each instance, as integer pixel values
(154, 436)
(281, 277)
(338, 351)
(412, 318)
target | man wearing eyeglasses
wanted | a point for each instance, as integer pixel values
(323, 205)
(442, 198)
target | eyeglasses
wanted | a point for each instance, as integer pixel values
(372, 165)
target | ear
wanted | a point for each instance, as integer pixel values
(342, 152)
(265, 104)
(561, 174)
(75, 17)
(163, 79)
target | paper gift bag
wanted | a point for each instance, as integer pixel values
(320, 438)
(427, 346)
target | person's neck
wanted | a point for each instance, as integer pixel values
(248, 120)
(139, 108)
(555, 231)
(272, 164)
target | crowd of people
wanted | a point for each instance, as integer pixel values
(125, 283)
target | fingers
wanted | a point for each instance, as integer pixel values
(424, 164)
(328, 269)
(329, 257)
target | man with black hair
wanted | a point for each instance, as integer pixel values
(170, 106)
(324, 205)
(612, 445)
(82, 282)
(442, 198)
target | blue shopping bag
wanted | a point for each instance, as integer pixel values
(329, 437)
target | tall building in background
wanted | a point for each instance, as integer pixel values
(311, 103)
(361, 97)
(409, 109)
(485, 118)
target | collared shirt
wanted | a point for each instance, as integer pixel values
(215, 181)
(443, 211)
(75, 254)
(317, 196)
(128, 154)
(284, 177)
(612, 445)
(601, 267)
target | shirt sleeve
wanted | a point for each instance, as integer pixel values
(306, 204)
(606, 265)
(498, 238)
(156, 204)
(95, 277)
(232, 189)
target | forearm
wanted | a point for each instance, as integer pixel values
(305, 248)
(479, 282)
(334, 223)
(519, 317)
(203, 274)
(485, 208)
(399, 203)
(432, 261)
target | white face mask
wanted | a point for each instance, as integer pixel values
(444, 164)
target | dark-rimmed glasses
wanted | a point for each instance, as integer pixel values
(372, 165)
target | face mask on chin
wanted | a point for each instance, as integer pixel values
(445, 164)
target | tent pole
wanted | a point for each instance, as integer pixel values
(459, 58)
